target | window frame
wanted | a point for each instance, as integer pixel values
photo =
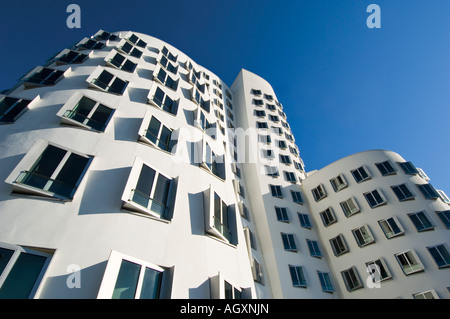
(428, 191)
(330, 216)
(314, 248)
(386, 168)
(421, 221)
(276, 191)
(319, 192)
(338, 183)
(358, 175)
(282, 214)
(445, 259)
(92, 80)
(339, 245)
(378, 203)
(364, 233)
(18, 102)
(289, 242)
(402, 192)
(355, 282)
(347, 208)
(408, 255)
(298, 276)
(387, 227)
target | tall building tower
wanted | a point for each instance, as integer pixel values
(130, 171)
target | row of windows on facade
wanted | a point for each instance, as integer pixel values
(376, 198)
(268, 97)
(22, 270)
(11, 108)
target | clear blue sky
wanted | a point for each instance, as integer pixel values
(345, 88)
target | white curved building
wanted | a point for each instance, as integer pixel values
(126, 175)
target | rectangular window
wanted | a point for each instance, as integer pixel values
(314, 248)
(57, 172)
(325, 281)
(282, 144)
(386, 168)
(165, 63)
(256, 92)
(159, 135)
(262, 125)
(297, 197)
(151, 192)
(443, 196)
(121, 63)
(289, 242)
(363, 236)
(274, 118)
(12, 108)
(304, 220)
(110, 83)
(445, 218)
(285, 159)
(402, 192)
(290, 177)
(391, 227)
(421, 221)
(282, 214)
(339, 245)
(70, 57)
(375, 198)
(328, 217)
(409, 262)
(297, 276)
(165, 79)
(89, 114)
(276, 191)
(265, 139)
(351, 279)
(136, 41)
(271, 171)
(164, 102)
(260, 113)
(440, 255)
(129, 49)
(319, 193)
(361, 174)
(430, 294)
(428, 191)
(338, 182)
(169, 55)
(378, 270)
(408, 168)
(349, 207)
(44, 77)
(258, 102)
(89, 44)
(133, 279)
(21, 271)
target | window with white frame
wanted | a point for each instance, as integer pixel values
(134, 39)
(445, 218)
(304, 220)
(386, 168)
(338, 182)
(298, 166)
(70, 57)
(210, 160)
(105, 35)
(256, 92)
(43, 76)
(166, 64)
(219, 217)
(265, 139)
(421, 221)
(428, 191)
(408, 168)
(325, 281)
(109, 82)
(378, 270)
(271, 171)
(262, 125)
(149, 192)
(440, 255)
(402, 192)
(129, 49)
(170, 56)
(87, 113)
(361, 174)
(350, 207)
(12, 108)
(56, 172)
(120, 62)
(127, 277)
(328, 217)
(276, 191)
(257, 271)
(423, 174)
(258, 102)
(297, 197)
(375, 198)
(289, 242)
(162, 100)
(409, 262)
(290, 177)
(391, 227)
(158, 135)
(285, 159)
(260, 113)
(21, 271)
(297, 276)
(339, 245)
(282, 214)
(351, 279)
(282, 144)
(429, 294)
(443, 196)
(165, 79)
(89, 44)
(363, 236)
(314, 248)
(319, 193)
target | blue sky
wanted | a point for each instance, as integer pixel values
(345, 88)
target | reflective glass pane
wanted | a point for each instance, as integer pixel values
(127, 280)
(5, 256)
(151, 284)
(69, 175)
(44, 167)
(100, 117)
(22, 277)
